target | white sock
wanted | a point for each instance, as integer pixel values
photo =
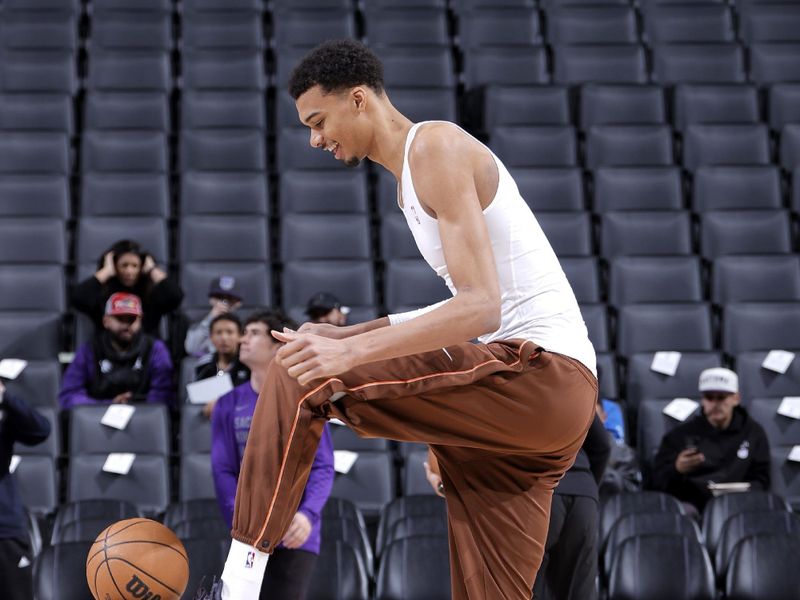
(243, 573)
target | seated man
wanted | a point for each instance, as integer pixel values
(121, 364)
(722, 445)
(224, 298)
(326, 308)
(226, 331)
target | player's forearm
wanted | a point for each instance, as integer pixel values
(360, 328)
(466, 316)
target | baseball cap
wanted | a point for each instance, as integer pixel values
(323, 303)
(225, 286)
(719, 379)
(122, 303)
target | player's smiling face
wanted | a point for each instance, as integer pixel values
(336, 121)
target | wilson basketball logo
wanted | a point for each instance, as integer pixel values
(140, 590)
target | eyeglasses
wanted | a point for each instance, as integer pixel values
(716, 397)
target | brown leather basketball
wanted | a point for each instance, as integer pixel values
(137, 559)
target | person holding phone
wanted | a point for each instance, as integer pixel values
(126, 267)
(723, 444)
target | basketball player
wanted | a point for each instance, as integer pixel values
(504, 418)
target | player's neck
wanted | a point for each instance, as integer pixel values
(389, 139)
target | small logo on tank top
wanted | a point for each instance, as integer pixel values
(414, 212)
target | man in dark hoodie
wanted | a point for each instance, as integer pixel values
(18, 423)
(723, 445)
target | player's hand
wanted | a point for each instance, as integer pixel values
(298, 532)
(122, 398)
(434, 479)
(108, 270)
(323, 329)
(308, 357)
(688, 460)
(149, 265)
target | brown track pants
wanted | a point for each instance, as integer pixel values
(504, 420)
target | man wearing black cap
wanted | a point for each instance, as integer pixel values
(327, 308)
(224, 297)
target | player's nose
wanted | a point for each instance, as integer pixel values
(316, 140)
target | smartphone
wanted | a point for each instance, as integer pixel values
(692, 442)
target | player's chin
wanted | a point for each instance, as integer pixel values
(352, 162)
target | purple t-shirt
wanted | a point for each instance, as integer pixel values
(230, 426)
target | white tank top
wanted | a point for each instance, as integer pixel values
(537, 301)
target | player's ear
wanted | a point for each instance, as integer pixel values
(358, 95)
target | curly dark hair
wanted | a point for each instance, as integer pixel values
(336, 65)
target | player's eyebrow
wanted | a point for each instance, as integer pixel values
(311, 116)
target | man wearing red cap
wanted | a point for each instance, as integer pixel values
(121, 364)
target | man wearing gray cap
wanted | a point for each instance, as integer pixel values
(723, 444)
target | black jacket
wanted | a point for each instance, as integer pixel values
(19, 423)
(238, 372)
(584, 477)
(738, 453)
(90, 296)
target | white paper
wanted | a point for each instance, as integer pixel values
(335, 421)
(343, 460)
(209, 390)
(119, 463)
(10, 368)
(794, 454)
(790, 407)
(778, 361)
(681, 408)
(15, 460)
(118, 416)
(666, 363)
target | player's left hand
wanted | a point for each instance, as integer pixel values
(307, 357)
(298, 532)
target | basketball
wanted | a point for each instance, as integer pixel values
(135, 559)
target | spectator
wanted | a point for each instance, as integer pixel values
(723, 444)
(326, 308)
(226, 332)
(125, 267)
(290, 566)
(569, 566)
(121, 364)
(18, 423)
(224, 297)
(622, 472)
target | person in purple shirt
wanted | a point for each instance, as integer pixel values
(289, 569)
(121, 364)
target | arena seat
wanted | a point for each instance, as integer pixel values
(610, 104)
(599, 63)
(628, 146)
(551, 188)
(736, 188)
(637, 188)
(698, 63)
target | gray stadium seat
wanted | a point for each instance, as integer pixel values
(412, 284)
(774, 63)
(36, 478)
(720, 509)
(725, 145)
(90, 510)
(418, 67)
(744, 232)
(54, 573)
(481, 27)
(195, 430)
(510, 105)
(285, 61)
(228, 30)
(125, 194)
(599, 63)
(785, 475)
(128, 151)
(34, 152)
(553, 188)
(351, 532)
(30, 335)
(397, 240)
(609, 104)
(414, 480)
(750, 326)
(764, 566)
(428, 104)
(252, 278)
(200, 108)
(352, 281)
(38, 72)
(607, 376)
(642, 382)
(405, 27)
(689, 23)
(96, 234)
(569, 233)
(138, 5)
(336, 191)
(224, 193)
(126, 110)
(146, 432)
(756, 279)
(38, 384)
(628, 145)
(757, 382)
(345, 438)
(32, 287)
(146, 485)
(698, 63)
(114, 70)
(312, 27)
(742, 187)
(127, 31)
(34, 196)
(224, 239)
(296, 153)
(68, 6)
(223, 150)
(37, 112)
(407, 508)
(637, 188)
(583, 274)
(595, 317)
(651, 426)
(714, 104)
(654, 233)
(770, 23)
(216, 5)
(500, 65)
(49, 447)
(415, 568)
(790, 146)
(784, 105)
(206, 560)
(609, 24)
(339, 573)
(655, 327)
(369, 484)
(545, 146)
(325, 236)
(31, 240)
(780, 430)
(635, 279)
(619, 505)
(196, 479)
(229, 70)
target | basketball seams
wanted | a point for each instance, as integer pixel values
(141, 570)
(136, 521)
(173, 548)
(110, 574)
